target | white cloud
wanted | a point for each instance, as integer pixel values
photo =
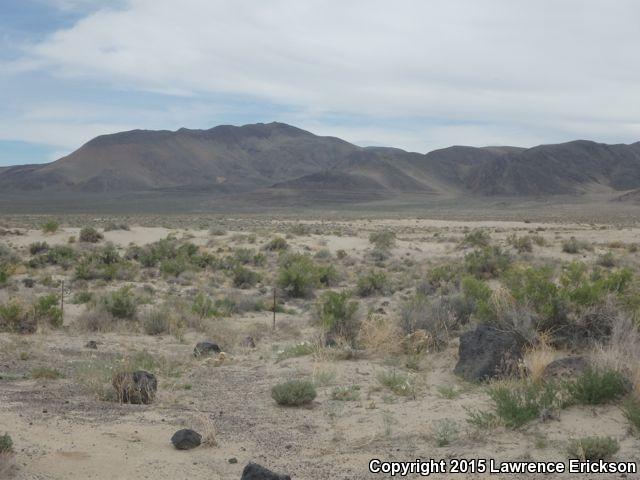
(496, 71)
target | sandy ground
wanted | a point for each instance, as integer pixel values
(63, 432)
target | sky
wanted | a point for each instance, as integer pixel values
(414, 74)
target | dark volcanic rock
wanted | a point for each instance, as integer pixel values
(186, 439)
(92, 344)
(253, 471)
(135, 387)
(206, 348)
(487, 353)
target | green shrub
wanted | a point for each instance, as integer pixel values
(481, 419)
(90, 235)
(346, 394)
(631, 410)
(111, 226)
(156, 321)
(294, 393)
(38, 247)
(521, 244)
(445, 431)
(298, 275)
(574, 246)
(593, 448)
(61, 255)
(120, 304)
(6, 444)
(596, 387)
(518, 403)
(217, 231)
(435, 316)
(327, 275)
(297, 350)
(383, 240)
(276, 244)
(203, 306)
(46, 309)
(337, 316)
(488, 262)
(14, 317)
(398, 382)
(80, 298)
(477, 237)
(607, 260)
(50, 227)
(244, 277)
(373, 283)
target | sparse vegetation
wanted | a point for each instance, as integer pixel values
(294, 393)
(593, 448)
(90, 235)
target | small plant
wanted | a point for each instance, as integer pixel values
(596, 387)
(120, 304)
(573, 246)
(90, 235)
(111, 226)
(488, 262)
(6, 443)
(593, 448)
(46, 309)
(276, 244)
(156, 321)
(244, 277)
(448, 392)
(217, 231)
(297, 350)
(521, 244)
(38, 247)
(374, 283)
(482, 419)
(337, 315)
(607, 260)
(48, 373)
(294, 393)
(477, 238)
(519, 403)
(50, 227)
(444, 431)
(398, 382)
(631, 410)
(350, 393)
(298, 275)
(383, 240)
(80, 298)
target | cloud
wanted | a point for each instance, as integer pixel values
(454, 71)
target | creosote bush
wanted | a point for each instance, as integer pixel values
(298, 275)
(294, 393)
(373, 283)
(90, 235)
(122, 303)
(50, 227)
(276, 244)
(337, 315)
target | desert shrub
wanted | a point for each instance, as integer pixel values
(379, 256)
(111, 226)
(298, 350)
(433, 316)
(341, 254)
(80, 298)
(298, 275)
(15, 317)
(596, 387)
(48, 373)
(573, 246)
(477, 237)
(323, 254)
(441, 278)
(383, 239)
(445, 431)
(488, 262)
(4, 275)
(61, 255)
(243, 256)
(203, 306)
(6, 443)
(38, 247)
(373, 283)
(46, 309)
(327, 275)
(349, 393)
(300, 229)
(160, 320)
(50, 227)
(244, 277)
(587, 290)
(607, 260)
(122, 303)
(173, 267)
(521, 244)
(294, 393)
(481, 419)
(90, 235)
(276, 244)
(631, 410)
(217, 231)
(380, 335)
(337, 315)
(517, 403)
(399, 383)
(593, 448)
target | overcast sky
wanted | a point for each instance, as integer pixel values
(418, 75)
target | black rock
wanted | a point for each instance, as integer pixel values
(486, 353)
(253, 471)
(28, 282)
(206, 348)
(233, 460)
(92, 344)
(566, 367)
(135, 387)
(186, 439)
(248, 342)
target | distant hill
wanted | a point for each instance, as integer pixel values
(270, 158)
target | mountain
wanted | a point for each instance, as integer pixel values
(270, 160)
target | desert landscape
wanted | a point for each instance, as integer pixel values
(392, 338)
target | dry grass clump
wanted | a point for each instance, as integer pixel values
(7, 464)
(380, 336)
(622, 352)
(207, 430)
(536, 358)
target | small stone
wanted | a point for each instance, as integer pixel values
(92, 344)
(186, 439)
(253, 471)
(206, 348)
(233, 460)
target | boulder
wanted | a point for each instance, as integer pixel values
(487, 352)
(206, 348)
(566, 367)
(253, 471)
(135, 387)
(186, 439)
